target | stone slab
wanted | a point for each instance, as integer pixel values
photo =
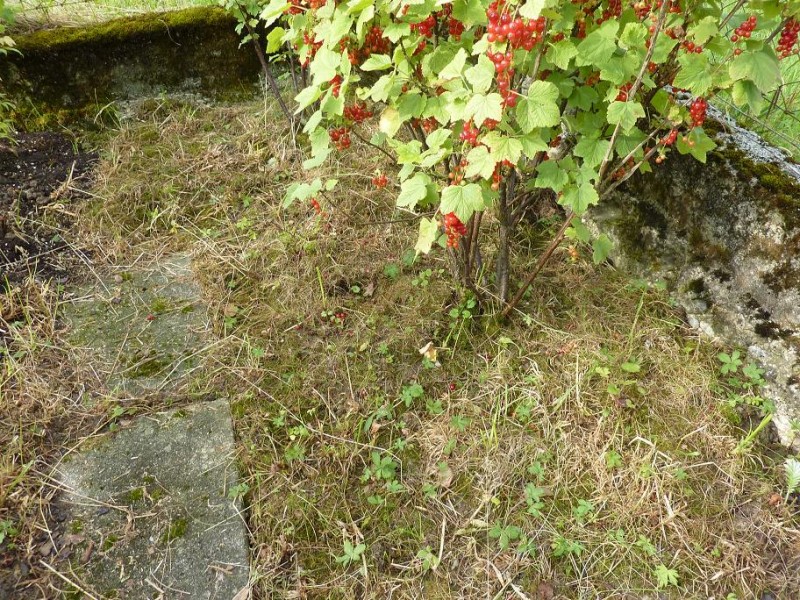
(154, 502)
(142, 327)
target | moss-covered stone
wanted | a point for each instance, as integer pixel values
(70, 74)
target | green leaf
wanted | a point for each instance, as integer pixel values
(454, 68)
(746, 92)
(538, 108)
(698, 144)
(320, 148)
(624, 114)
(324, 66)
(377, 62)
(307, 97)
(463, 200)
(275, 39)
(694, 74)
(273, 11)
(579, 198)
(413, 190)
(503, 147)
(600, 45)
(703, 30)
(579, 231)
(481, 107)
(480, 163)
(633, 36)
(532, 9)
(390, 121)
(410, 106)
(481, 76)
(394, 31)
(601, 248)
(592, 150)
(551, 175)
(470, 12)
(760, 67)
(437, 138)
(561, 53)
(428, 232)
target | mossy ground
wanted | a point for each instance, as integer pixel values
(574, 452)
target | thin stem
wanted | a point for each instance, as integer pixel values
(734, 10)
(366, 141)
(539, 264)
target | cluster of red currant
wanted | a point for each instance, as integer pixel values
(336, 85)
(505, 75)
(380, 180)
(613, 11)
(313, 46)
(698, 111)
(744, 30)
(469, 133)
(456, 176)
(454, 229)
(357, 112)
(340, 137)
(788, 41)
(315, 205)
(295, 7)
(425, 27)
(375, 43)
(519, 32)
(670, 138)
(490, 124)
(690, 47)
(428, 125)
(622, 96)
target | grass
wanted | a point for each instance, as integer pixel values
(586, 449)
(590, 448)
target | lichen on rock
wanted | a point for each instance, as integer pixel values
(725, 236)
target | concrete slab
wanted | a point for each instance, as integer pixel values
(153, 506)
(142, 328)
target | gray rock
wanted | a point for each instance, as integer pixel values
(141, 328)
(725, 236)
(151, 504)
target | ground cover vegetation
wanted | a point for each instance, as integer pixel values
(396, 438)
(502, 105)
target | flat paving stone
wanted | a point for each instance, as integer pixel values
(151, 505)
(142, 328)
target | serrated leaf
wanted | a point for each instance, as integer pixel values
(275, 39)
(561, 53)
(503, 147)
(463, 200)
(437, 138)
(551, 175)
(698, 144)
(307, 97)
(597, 47)
(454, 67)
(694, 74)
(394, 31)
(538, 108)
(390, 121)
(481, 107)
(592, 150)
(413, 191)
(481, 75)
(761, 67)
(532, 9)
(480, 163)
(324, 66)
(624, 114)
(273, 11)
(377, 62)
(746, 92)
(470, 12)
(579, 198)
(703, 30)
(601, 248)
(428, 232)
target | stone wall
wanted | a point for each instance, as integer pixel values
(725, 236)
(79, 70)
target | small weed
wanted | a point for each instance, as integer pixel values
(351, 554)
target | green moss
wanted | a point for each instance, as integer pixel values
(176, 529)
(159, 305)
(109, 542)
(135, 495)
(148, 367)
(75, 526)
(119, 30)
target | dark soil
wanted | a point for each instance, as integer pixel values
(39, 177)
